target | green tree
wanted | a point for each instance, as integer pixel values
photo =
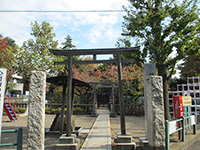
(190, 67)
(162, 27)
(68, 43)
(35, 55)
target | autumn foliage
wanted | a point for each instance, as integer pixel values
(3, 50)
(109, 73)
(6, 55)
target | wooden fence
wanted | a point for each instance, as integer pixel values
(87, 107)
(130, 109)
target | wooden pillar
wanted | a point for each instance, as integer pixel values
(69, 95)
(94, 100)
(63, 106)
(121, 99)
(112, 114)
(113, 100)
(94, 111)
(72, 103)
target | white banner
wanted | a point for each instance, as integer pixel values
(192, 120)
(2, 91)
(172, 127)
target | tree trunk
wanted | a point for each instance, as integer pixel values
(162, 72)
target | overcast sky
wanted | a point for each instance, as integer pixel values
(88, 30)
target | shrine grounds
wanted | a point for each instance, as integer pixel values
(135, 125)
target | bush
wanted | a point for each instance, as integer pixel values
(47, 110)
(79, 111)
(76, 111)
(21, 109)
(54, 110)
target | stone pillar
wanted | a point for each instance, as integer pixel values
(149, 69)
(155, 113)
(36, 112)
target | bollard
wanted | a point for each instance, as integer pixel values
(167, 134)
(183, 129)
(195, 125)
(19, 138)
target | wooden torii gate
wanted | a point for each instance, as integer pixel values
(94, 52)
(104, 85)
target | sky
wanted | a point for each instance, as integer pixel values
(88, 30)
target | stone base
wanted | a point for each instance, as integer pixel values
(113, 115)
(67, 147)
(145, 143)
(124, 138)
(67, 139)
(68, 142)
(124, 142)
(125, 146)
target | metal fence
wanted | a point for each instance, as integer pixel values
(179, 125)
(19, 138)
(193, 109)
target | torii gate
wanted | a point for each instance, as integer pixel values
(104, 85)
(94, 52)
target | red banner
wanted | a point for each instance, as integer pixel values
(178, 106)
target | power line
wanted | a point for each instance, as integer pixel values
(61, 11)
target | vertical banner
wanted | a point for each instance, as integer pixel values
(178, 111)
(2, 91)
(178, 106)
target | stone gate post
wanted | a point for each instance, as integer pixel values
(36, 112)
(155, 113)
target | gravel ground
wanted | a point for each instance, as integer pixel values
(134, 125)
(50, 140)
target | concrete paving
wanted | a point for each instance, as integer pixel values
(99, 137)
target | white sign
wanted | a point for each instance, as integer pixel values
(2, 91)
(172, 127)
(192, 120)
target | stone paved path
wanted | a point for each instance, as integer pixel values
(99, 137)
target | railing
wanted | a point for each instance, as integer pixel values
(171, 127)
(19, 138)
(130, 109)
(21, 104)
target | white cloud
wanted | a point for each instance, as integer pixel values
(90, 27)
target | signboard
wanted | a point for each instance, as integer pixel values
(2, 91)
(192, 120)
(178, 106)
(187, 100)
(172, 127)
